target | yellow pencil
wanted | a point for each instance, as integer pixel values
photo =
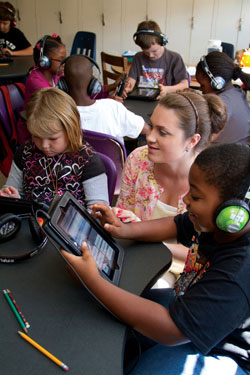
(44, 351)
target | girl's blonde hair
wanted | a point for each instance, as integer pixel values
(50, 111)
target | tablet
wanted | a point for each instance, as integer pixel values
(70, 224)
(144, 93)
(5, 60)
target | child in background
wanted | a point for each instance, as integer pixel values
(103, 115)
(202, 325)
(215, 73)
(48, 53)
(155, 66)
(56, 159)
(12, 40)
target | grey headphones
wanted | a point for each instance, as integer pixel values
(44, 61)
(217, 83)
(164, 39)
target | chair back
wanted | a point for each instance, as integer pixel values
(111, 174)
(110, 146)
(11, 103)
(84, 43)
(228, 48)
(107, 62)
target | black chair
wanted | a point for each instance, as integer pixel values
(84, 44)
(228, 48)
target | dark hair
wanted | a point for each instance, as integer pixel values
(145, 41)
(220, 64)
(52, 43)
(211, 111)
(7, 11)
(226, 167)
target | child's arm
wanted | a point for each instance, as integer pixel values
(147, 317)
(130, 84)
(14, 185)
(150, 231)
(23, 52)
(167, 89)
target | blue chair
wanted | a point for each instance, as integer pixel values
(84, 43)
(228, 48)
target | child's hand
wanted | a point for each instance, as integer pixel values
(125, 216)
(9, 192)
(6, 51)
(84, 265)
(109, 220)
(163, 91)
(129, 85)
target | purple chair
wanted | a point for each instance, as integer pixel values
(110, 146)
(111, 174)
(11, 102)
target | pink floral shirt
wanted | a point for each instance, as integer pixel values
(140, 191)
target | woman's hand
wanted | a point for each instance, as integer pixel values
(9, 192)
(125, 216)
(111, 223)
(84, 265)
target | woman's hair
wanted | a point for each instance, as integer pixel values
(7, 11)
(52, 43)
(221, 65)
(145, 41)
(226, 167)
(51, 110)
(197, 113)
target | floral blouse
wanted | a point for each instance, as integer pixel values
(140, 191)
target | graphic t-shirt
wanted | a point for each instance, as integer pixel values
(168, 70)
(15, 40)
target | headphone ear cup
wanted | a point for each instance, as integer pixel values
(44, 62)
(232, 216)
(35, 230)
(94, 87)
(62, 85)
(10, 224)
(218, 83)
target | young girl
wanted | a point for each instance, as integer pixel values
(56, 159)
(215, 73)
(202, 325)
(49, 49)
(12, 41)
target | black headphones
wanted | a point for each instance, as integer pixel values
(217, 83)
(233, 215)
(94, 86)
(12, 12)
(44, 61)
(164, 39)
(10, 225)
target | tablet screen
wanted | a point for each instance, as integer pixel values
(78, 229)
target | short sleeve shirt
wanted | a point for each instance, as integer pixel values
(15, 40)
(168, 70)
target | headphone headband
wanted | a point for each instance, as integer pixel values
(217, 83)
(8, 9)
(152, 32)
(87, 57)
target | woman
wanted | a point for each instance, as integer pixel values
(155, 177)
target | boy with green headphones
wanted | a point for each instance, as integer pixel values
(204, 321)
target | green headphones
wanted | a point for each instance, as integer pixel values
(233, 215)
